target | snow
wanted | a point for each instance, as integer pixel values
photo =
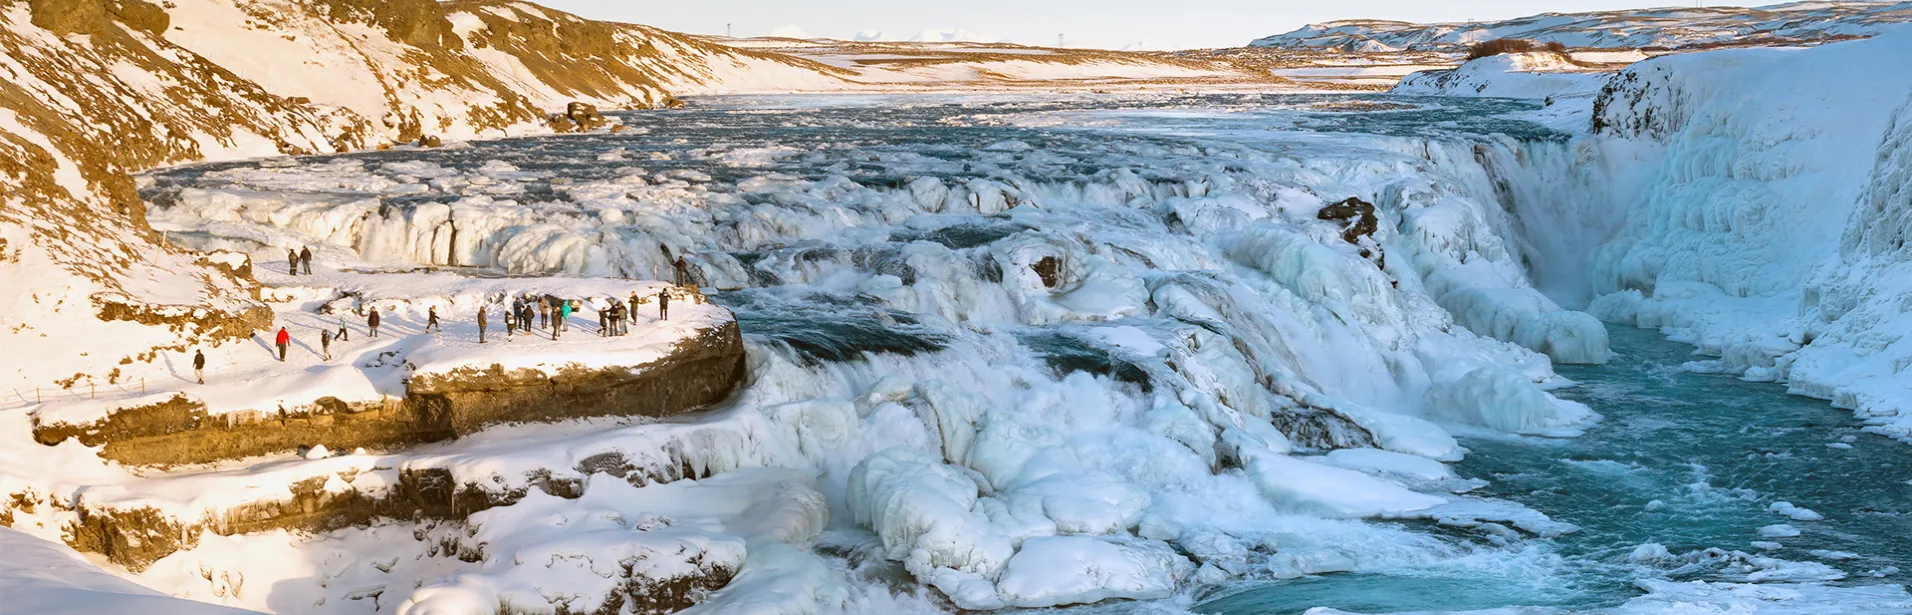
(1539, 75)
(1795, 512)
(1805, 22)
(1778, 530)
(1507, 401)
(986, 471)
(1304, 486)
(43, 577)
(1059, 570)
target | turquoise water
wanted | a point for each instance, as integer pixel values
(1685, 460)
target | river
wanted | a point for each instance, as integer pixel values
(1688, 461)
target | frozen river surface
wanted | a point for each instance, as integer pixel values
(1054, 350)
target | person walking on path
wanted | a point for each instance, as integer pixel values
(664, 304)
(511, 321)
(285, 339)
(371, 321)
(325, 344)
(481, 324)
(431, 321)
(291, 262)
(305, 259)
(199, 365)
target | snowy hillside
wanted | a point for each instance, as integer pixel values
(1672, 28)
(1515, 75)
(960, 64)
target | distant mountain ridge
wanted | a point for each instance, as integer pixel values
(1799, 23)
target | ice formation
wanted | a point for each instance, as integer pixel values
(1035, 367)
(1033, 382)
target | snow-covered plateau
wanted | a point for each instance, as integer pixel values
(1217, 353)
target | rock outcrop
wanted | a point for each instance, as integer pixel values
(697, 372)
(1360, 224)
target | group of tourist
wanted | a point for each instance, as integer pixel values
(548, 312)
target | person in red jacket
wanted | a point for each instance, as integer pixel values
(284, 340)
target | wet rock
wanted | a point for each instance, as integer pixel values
(585, 116)
(430, 141)
(1360, 223)
(1049, 269)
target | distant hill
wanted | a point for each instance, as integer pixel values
(1800, 23)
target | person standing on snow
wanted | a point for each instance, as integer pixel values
(325, 344)
(511, 321)
(544, 313)
(431, 320)
(343, 331)
(633, 305)
(481, 324)
(371, 321)
(305, 258)
(682, 269)
(291, 262)
(559, 318)
(664, 304)
(199, 365)
(604, 322)
(284, 339)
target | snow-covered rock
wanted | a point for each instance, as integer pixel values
(1534, 74)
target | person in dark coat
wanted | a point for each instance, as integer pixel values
(633, 305)
(284, 339)
(291, 262)
(664, 304)
(431, 321)
(544, 314)
(371, 321)
(682, 269)
(481, 324)
(305, 259)
(199, 365)
(604, 322)
(511, 321)
(325, 344)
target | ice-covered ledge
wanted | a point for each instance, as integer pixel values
(409, 387)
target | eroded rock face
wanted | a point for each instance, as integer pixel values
(701, 371)
(698, 372)
(68, 16)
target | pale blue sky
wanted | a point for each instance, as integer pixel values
(1157, 24)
